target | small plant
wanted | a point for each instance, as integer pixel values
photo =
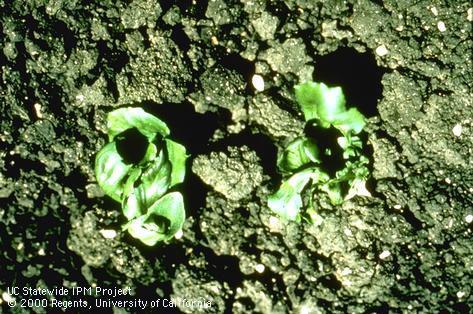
(302, 161)
(141, 179)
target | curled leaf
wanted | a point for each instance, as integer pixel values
(334, 192)
(132, 206)
(155, 181)
(299, 153)
(350, 121)
(150, 154)
(358, 187)
(111, 171)
(320, 102)
(307, 97)
(177, 157)
(162, 221)
(287, 200)
(126, 118)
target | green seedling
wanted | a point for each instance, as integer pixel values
(142, 184)
(301, 162)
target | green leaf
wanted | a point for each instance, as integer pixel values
(177, 157)
(332, 102)
(351, 146)
(350, 121)
(162, 221)
(148, 232)
(299, 180)
(298, 153)
(126, 118)
(360, 168)
(111, 171)
(133, 175)
(353, 170)
(311, 150)
(320, 102)
(153, 183)
(349, 152)
(170, 206)
(155, 180)
(343, 142)
(333, 191)
(287, 200)
(132, 206)
(358, 187)
(307, 97)
(356, 142)
(150, 154)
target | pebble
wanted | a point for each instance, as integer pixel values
(441, 26)
(259, 268)
(108, 233)
(385, 254)
(382, 51)
(258, 82)
(457, 130)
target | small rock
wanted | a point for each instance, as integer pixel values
(108, 234)
(385, 254)
(457, 130)
(441, 26)
(259, 268)
(382, 51)
(258, 82)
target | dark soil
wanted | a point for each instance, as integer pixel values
(407, 65)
